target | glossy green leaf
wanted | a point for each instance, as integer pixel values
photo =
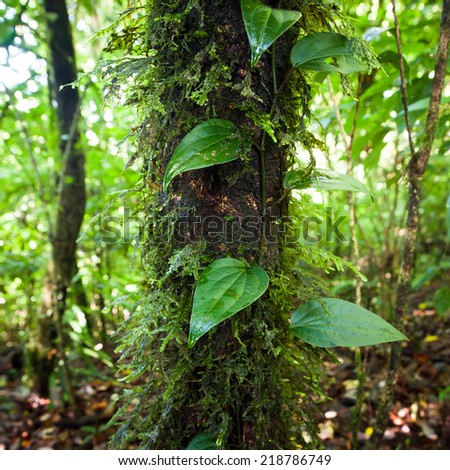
(313, 51)
(326, 180)
(333, 322)
(202, 441)
(264, 25)
(225, 287)
(210, 143)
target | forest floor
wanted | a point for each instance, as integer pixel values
(420, 419)
(421, 415)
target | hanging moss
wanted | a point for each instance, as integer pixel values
(247, 382)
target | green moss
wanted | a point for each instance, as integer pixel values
(255, 387)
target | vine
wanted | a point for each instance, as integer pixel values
(198, 365)
(215, 142)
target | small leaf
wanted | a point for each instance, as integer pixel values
(264, 25)
(333, 322)
(430, 273)
(391, 57)
(431, 338)
(441, 300)
(325, 180)
(210, 143)
(330, 180)
(311, 53)
(202, 441)
(294, 179)
(225, 287)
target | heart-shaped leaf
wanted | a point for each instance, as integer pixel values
(324, 180)
(225, 287)
(333, 322)
(210, 143)
(264, 25)
(202, 441)
(311, 53)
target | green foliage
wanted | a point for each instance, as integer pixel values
(264, 25)
(179, 76)
(380, 150)
(312, 52)
(441, 301)
(323, 180)
(28, 194)
(226, 287)
(202, 441)
(333, 322)
(210, 143)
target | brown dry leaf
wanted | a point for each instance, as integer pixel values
(99, 405)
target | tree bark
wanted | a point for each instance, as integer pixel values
(71, 194)
(222, 207)
(416, 170)
(238, 381)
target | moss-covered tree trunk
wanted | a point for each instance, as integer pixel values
(244, 382)
(231, 382)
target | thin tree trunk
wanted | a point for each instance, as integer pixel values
(416, 171)
(71, 196)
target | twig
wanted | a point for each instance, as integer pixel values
(348, 142)
(402, 79)
(416, 170)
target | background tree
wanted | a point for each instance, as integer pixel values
(71, 192)
(45, 134)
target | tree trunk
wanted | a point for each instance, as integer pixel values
(416, 171)
(243, 380)
(71, 191)
(71, 196)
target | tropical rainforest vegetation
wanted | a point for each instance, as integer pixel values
(225, 225)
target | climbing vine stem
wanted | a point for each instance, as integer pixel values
(262, 151)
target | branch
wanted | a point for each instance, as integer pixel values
(416, 170)
(402, 79)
